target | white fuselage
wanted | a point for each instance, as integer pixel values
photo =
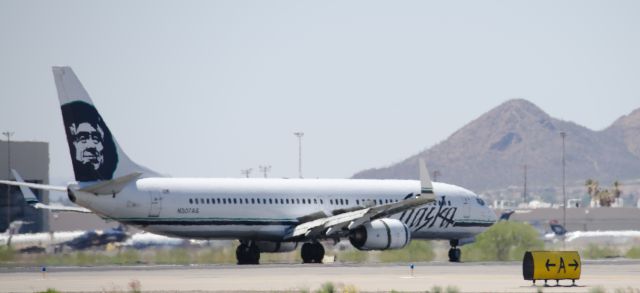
(264, 209)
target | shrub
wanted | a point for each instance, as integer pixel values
(594, 251)
(506, 240)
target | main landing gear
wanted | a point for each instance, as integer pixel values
(454, 251)
(312, 252)
(248, 253)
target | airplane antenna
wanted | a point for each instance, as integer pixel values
(299, 134)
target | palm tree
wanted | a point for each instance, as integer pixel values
(592, 189)
(616, 189)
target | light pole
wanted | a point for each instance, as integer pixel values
(246, 172)
(436, 173)
(265, 169)
(299, 134)
(564, 193)
(524, 191)
(8, 134)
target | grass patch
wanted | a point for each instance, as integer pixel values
(327, 287)
(352, 255)
(634, 252)
(449, 289)
(7, 254)
(416, 251)
(49, 290)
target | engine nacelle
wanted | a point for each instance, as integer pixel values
(381, 234)
(271, 246)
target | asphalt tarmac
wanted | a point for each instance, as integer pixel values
(466, 277)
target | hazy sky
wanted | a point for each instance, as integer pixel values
(206, 88)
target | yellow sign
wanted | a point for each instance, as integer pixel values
(551, 265)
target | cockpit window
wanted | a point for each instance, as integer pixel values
(480, 201)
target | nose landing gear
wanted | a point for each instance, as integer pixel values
(248, 253)
(454, 252)
(312, 252)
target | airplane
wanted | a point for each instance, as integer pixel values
(36, 242)
(265, 215)
(560, 233)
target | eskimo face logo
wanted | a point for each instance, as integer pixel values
(92, 148)
(87, 140)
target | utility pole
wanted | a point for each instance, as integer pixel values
(8, 134)
(265, 169)
(299, 134)
(436, 173)
(524, 191)
(564, 192)
(246, 172)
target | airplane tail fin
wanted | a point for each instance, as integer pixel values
(557, 228)
(95, 153)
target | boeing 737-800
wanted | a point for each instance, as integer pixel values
(266, 215)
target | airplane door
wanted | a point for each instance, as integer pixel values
(156, 204)
(466, 208)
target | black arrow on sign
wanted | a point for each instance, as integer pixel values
(575, 265)
(548, 264)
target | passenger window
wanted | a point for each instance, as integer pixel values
(331, 201)
(207, 201)
(321, 201)
(357, 201)
(347, 201)
(191, 201)
(270, 202)
(287, 201)
(315, 200)
(297, 200)
(253, 201)
(224, 201)
(281, 201)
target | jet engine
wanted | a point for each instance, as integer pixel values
(381, 234)
(272, 246)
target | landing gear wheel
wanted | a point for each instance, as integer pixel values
(454, 253)
(312, 252)
(248, 254)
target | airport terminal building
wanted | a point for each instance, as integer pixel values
(31, 160)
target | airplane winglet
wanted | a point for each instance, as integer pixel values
(28, 195)
(426, 186)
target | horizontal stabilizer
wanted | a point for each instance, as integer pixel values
(113, 186)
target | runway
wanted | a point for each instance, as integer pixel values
(466, 277)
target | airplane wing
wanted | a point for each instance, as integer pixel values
(329, 226)
(31, 199)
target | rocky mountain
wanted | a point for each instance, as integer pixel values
(490, 152)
